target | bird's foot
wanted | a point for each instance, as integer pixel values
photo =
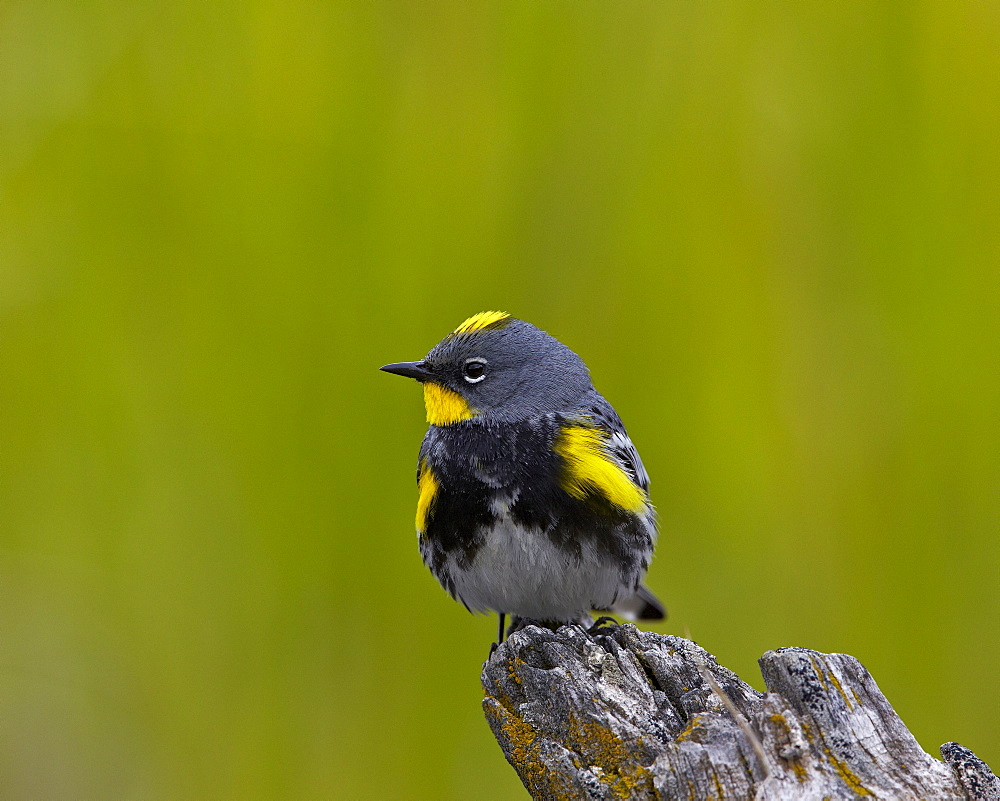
(517, 623)
(603, 625)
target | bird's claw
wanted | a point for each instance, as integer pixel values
(603, 625)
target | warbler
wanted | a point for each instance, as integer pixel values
(532, 500)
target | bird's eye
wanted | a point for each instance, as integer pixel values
(474, 371)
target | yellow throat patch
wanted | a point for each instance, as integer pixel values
(444, 406)
(590, 470)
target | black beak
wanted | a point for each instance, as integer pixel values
(415, 370)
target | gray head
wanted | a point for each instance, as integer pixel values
(499, 367)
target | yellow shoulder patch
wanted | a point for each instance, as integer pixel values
(427, 487)
(482, 321)
(445, 406)
(589, 469)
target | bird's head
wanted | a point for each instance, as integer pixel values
(498, 367)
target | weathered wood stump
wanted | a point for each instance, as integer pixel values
(633, 714)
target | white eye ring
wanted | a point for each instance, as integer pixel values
(482, 365)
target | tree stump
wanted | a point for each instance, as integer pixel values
(630, 714)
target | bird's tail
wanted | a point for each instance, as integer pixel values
(641, 606)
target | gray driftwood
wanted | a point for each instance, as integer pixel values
(633, 714)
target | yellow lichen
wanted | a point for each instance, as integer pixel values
(601, 748)
(801, 774)
(845, 773)
(819, 670)
(693, 724)
(523, 749)
(836, 683)
(513, 664)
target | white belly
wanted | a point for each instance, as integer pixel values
(522, 572)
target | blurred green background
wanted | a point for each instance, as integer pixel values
(770, 229)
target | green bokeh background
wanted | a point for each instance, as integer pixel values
(770, 229)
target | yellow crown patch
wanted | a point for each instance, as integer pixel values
(482, 321)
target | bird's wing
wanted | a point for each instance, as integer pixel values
(622, 449)
(617, 443)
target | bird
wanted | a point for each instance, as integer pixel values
(532, 500)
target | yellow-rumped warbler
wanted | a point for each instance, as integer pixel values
(533, 501)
